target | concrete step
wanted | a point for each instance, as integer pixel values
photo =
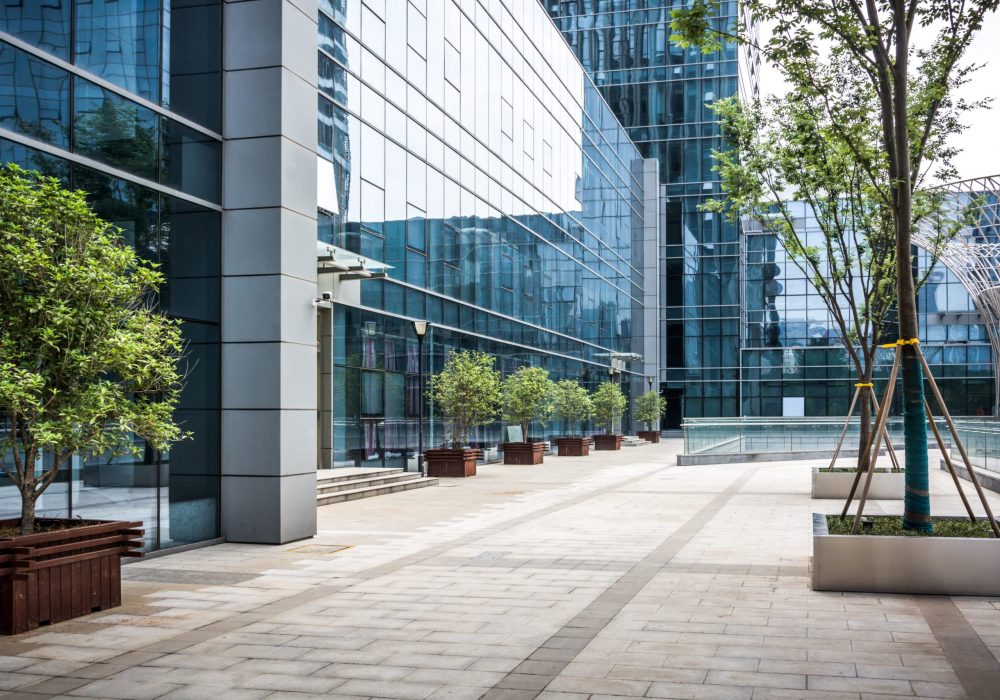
(332, 476)
(633, 441)
(394, 476)
(377, 490)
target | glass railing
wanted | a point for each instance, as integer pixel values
(788, 434)
(981, 437)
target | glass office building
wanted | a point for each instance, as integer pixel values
(793, 361)
(662, 94)
(472, 155)
(123, 100)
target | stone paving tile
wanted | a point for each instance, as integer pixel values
(516, 584)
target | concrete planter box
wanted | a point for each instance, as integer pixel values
(886, 486)
(523, 452)
(53, 576)
(909, 565)
(444, 463)
(649, 435)
(573, 446)
(607, 442)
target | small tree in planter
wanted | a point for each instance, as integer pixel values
(572, 404)
(467, 392)
(88, 366)
(649, 408)
(609, 406)
(526, 396)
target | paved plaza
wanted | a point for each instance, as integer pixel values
(620, 574)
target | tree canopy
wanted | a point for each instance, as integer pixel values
(467, 391)
(88, 364)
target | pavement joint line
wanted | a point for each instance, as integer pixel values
(977, 669)
(606, 606)
(179, 641)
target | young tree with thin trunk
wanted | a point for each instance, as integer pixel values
(88, 365)
(467, 392)
(915, 111)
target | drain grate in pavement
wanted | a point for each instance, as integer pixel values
(322, 549)
(132, 573)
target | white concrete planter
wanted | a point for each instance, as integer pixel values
(885, 485)
(911, 565)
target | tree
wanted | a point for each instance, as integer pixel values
(526, 395)
(817, 45)
(609, 405)
(845, 243)
(571, 402)
(467, 391)
(88, 365)
(649, 408)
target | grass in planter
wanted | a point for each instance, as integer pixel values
(892, 525)
(841, 470)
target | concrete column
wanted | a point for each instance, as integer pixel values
(269, 368)
(649, 176)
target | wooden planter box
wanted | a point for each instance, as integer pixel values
(446, 463)
(54, 576)
(886, 486)
(573, 446)
(649, 435)
(607, 442)
(523, 452)
(910, 565)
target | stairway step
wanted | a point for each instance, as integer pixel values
(370, 491)
(331, 476)
(352, 484)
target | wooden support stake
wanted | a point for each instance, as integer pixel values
(958, 443)
(885, 434)
(847, 423)
(873, 437)
(879, 426)
(947, 460)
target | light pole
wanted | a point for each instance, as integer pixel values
(420, 329)
(649, 380)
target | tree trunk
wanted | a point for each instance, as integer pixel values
(28, 497)
(916, 499)
(866, 429)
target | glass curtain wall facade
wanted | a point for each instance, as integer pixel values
(662, 95)
(473, 155)
(123, 99)
(793, 360)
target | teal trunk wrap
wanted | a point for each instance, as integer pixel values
(916, 499)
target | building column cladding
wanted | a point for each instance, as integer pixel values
(269, 368)
(650, 178)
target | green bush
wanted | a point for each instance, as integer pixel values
(572, 404)
(526, 395)
(649, 408)
(609, 405)
(467, 392)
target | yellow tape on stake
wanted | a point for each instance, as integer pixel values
(872, 385)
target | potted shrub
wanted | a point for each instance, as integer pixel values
(609, 406)
(526, 395)
(88, 366)
(572, 404)
(467, 392)
(649, 409)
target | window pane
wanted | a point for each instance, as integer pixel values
(43, 24)
(191, 161)
(34, 96)
(119, 40)
(114, 130)
(192, 85)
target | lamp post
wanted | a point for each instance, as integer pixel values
(420, 329)
(649, 380)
